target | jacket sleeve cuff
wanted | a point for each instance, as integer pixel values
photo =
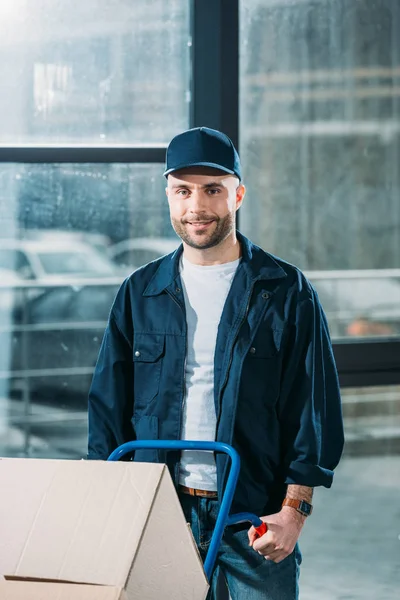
(300, 473)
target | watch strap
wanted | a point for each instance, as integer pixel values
(303, 507)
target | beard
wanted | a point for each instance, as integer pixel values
(202, 240)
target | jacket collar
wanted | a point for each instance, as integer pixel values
(259, 265)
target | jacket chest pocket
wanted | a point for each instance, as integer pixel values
(148, 352)
(265, 344)
(260, 375)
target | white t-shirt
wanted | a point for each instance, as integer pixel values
(205, 291)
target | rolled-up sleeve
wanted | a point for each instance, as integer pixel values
(309, 407)
(110, 404)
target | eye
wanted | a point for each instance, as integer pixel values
(182, 192)
(213, 191)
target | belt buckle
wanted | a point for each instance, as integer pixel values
(208, 494)
(198, 493)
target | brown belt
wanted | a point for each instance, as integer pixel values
(195, 492)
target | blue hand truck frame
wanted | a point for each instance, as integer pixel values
(223, 519)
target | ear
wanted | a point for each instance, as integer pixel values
(240, 194)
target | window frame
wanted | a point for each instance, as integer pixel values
(215, 66)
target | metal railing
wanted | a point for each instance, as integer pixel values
(24, 326)
(15, 363)
(21, 293)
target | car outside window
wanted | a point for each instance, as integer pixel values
(74, 262)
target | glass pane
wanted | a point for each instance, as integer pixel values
(360, 303)
(63, 231)
(360, 512)
(98, 71)
(320, 133)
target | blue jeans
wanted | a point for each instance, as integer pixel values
(247, 574)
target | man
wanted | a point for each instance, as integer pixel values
(222, 341)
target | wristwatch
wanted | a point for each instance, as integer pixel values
(303, 507)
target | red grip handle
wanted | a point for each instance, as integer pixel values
(261, 529)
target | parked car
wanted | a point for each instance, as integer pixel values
(56, 300)
(133, 253)
(98, 241)
(53, 353)
(49, 260)
(8, 279)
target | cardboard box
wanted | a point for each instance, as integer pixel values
(116, 524)
(23, 590)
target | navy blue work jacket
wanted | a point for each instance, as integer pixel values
(276, 389)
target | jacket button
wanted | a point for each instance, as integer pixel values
(178, 290)
(266, 295)
(252, 350)
(137, 353)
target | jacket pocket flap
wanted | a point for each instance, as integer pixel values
(266, 344)
(148, 347)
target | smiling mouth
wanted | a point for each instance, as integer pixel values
(200, 222)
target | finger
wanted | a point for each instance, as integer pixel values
(263, 547)
(266, 537)
(265, 542)
(276, 557)
(252, 535)
(274, 554)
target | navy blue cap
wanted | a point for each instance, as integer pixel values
(202, 147)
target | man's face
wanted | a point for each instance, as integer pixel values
(203, 204)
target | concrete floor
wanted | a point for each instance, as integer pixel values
(351, 543)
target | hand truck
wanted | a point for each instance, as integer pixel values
(223, 519)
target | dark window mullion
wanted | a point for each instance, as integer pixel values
(368, 362)
(81, 154)
(215, 65)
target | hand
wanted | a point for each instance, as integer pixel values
(284, 529)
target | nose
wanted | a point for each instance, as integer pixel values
(197, 203)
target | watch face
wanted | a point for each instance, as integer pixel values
(305, 508)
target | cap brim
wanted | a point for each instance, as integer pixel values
(200, 164)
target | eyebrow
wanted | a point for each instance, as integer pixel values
(204, 187)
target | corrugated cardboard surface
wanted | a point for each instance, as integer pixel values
(95, 522)
(167, 565)
(22, 590)
(77, 521)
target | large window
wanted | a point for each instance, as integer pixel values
(99, 71)
(320, 141)
(71, 234)
(78, 79)
(115, 200)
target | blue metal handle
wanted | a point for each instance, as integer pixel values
(223, 518)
